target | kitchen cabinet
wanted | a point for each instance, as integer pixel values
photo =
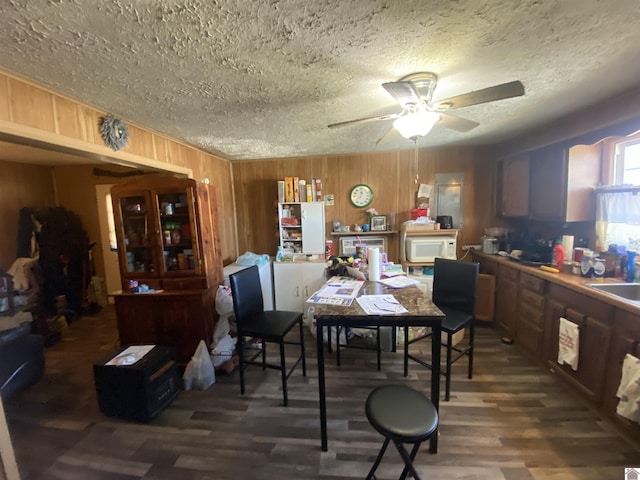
(173, 318)
(594, 319)
(530, 319)
(514, 201)
(294, 282)
(562, 183)
(625, 339)
(165, 233)
(167, 239)
(301, 227)
(507, 290)
(486, 293)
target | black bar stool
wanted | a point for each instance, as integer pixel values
(402, 415)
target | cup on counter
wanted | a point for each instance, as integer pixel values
(516, 253)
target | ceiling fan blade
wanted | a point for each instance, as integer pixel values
(364, 120)
(491, 94)
(405, 93)
(456, 123)
(391, 134)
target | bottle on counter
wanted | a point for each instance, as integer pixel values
(631, 266)
(558, 256)
(279, 255)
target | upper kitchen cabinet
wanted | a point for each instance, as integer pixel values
(165, 233)
(514, 200)
(562, 183)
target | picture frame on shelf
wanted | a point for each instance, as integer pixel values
(378, 223)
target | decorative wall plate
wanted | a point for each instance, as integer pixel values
(114, 132)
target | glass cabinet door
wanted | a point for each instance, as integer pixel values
(138, 234)
(178, 238)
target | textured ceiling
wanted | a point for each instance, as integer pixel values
(262, 79)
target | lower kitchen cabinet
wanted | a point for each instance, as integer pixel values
(625, 339)
(294, 282)
(530, 319)
(594, 319)
(172, 318)
(507, 298)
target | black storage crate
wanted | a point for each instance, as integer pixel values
(139, 391)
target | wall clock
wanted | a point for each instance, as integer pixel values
(361, 195)
(114, 132)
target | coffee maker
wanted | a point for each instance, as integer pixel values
(445, 221)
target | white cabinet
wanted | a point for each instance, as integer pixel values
(301, 227)
(294, 282)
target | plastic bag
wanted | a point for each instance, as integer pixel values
(224, 307)
(249, 258)
(310, 321)
(223, 351)
(199, 372)
(224, 301)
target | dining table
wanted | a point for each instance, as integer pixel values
(419, 311)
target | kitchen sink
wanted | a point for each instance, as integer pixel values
(626, 291)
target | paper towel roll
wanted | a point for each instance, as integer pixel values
(374, 264)
(567, 246)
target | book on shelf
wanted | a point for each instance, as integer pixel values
(318, 197)
(296, 189)
(288, 189)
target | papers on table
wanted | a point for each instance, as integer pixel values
(399, 282)
(337, 291)
(391, 270)
(380, 305)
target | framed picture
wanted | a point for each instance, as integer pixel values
(378, 223)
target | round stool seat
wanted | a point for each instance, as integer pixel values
(401, 413)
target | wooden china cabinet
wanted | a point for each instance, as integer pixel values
(166, 230)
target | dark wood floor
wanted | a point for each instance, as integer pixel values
(512, 421)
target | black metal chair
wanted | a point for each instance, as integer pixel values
(268, 326)
(401, 415)
(454, 292)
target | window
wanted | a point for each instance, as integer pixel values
(627, 165)
(113, 244)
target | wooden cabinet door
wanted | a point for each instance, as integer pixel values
(531, 310)
(515, 187)
(287, 284)
(313, 277)
(313, 239)
(595, 338)
(547, 197)
(625, 340)
(585, 163)
(507, 298)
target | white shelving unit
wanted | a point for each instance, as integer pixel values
(301, 227)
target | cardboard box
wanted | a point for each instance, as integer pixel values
(418, 227)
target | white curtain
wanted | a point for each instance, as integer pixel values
(618, 217)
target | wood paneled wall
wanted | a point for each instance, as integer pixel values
(393, 176)
(20, 185)
(37, 116)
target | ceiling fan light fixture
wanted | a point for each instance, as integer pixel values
(416, 124)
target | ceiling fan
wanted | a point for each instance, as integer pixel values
(419, 114)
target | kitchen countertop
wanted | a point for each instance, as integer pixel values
(573, 282)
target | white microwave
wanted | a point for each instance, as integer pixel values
(425, 249)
